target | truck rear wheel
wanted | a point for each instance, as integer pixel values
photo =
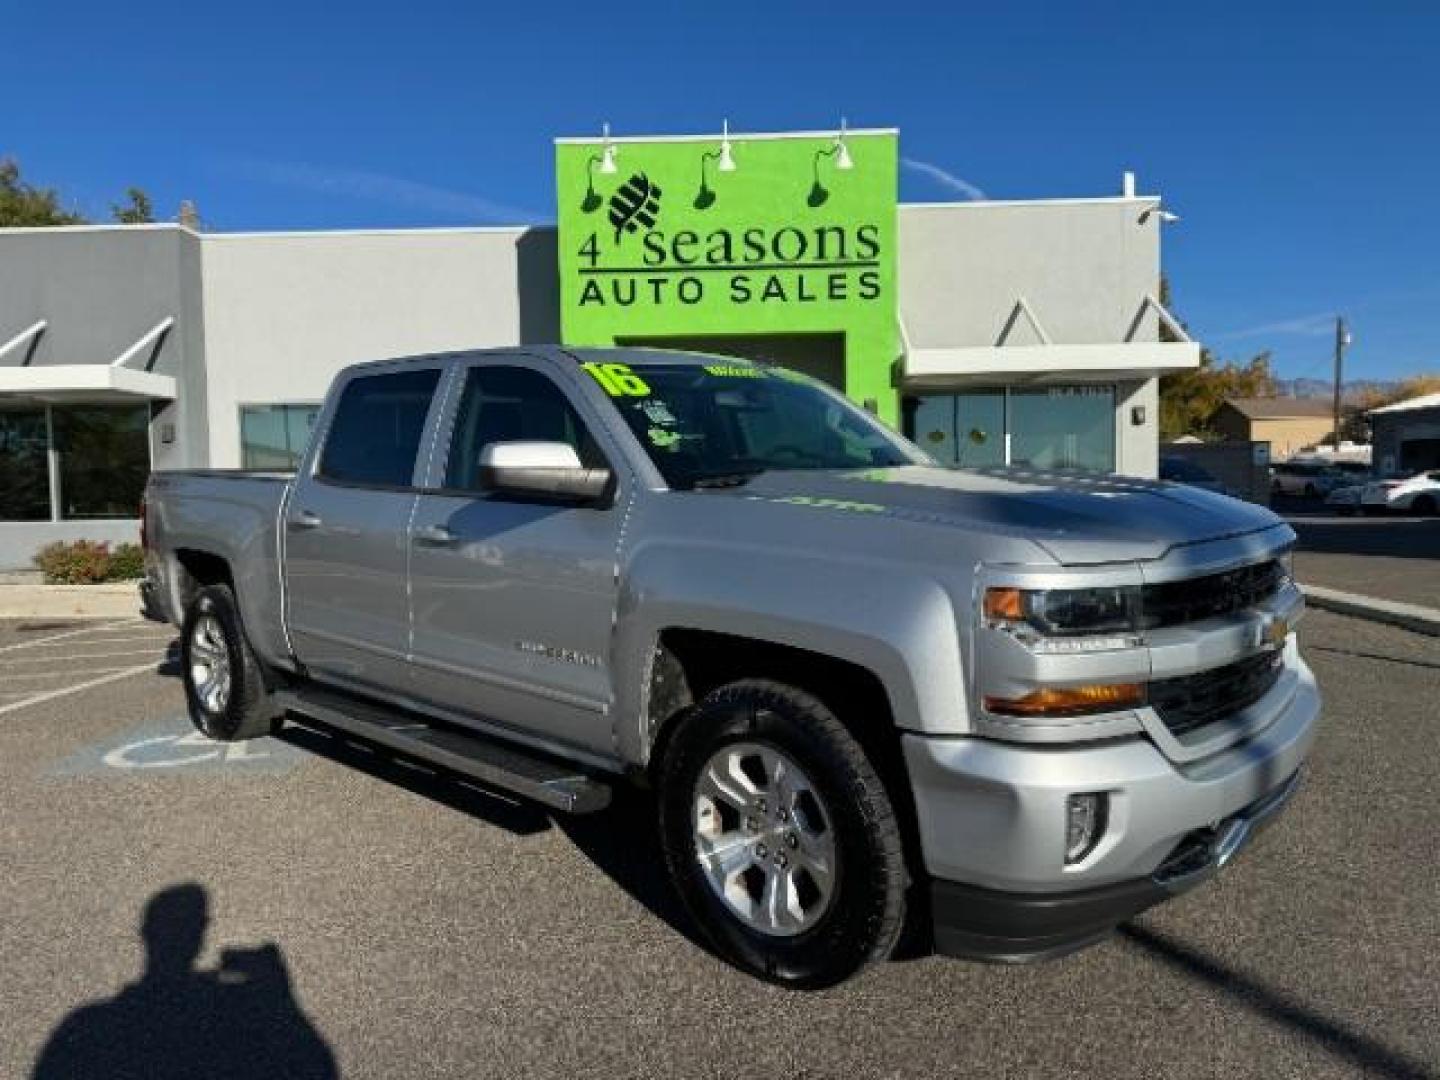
(224, 687)
(780, 837)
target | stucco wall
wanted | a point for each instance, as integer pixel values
(1083, 266)
(285, 311)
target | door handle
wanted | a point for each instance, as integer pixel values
(306, 520)
(434, 536)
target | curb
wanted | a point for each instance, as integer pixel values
(110, 600)
(1422, 620)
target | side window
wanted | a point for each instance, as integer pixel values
(377, 427)
(511, 404)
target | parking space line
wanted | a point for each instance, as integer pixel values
(71, 634)
(128, 639)
(51, 695)
(84, 656)
(54, 674)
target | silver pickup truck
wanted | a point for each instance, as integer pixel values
(1010, 709)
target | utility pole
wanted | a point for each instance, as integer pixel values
(1342, 339)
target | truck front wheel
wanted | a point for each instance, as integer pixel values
(224, 688)
(780, 837)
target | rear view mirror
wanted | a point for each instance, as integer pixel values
(543, 470)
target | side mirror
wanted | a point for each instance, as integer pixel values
(542, 470)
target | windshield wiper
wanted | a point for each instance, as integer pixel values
(725, 480)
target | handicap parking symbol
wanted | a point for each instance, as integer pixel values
(173, 747)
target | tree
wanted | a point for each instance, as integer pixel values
(137, 211)
(1190, 399)
(23, 204)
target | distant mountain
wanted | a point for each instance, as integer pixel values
(1323, 388)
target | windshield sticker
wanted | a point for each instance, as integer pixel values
(618, 380)
(822, 504)
(658, 412)
(735, 371)
(663, 439)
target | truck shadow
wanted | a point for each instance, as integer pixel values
(621, 841)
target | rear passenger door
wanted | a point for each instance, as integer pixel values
(347, 525)
(513, 598)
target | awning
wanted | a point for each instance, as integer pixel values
(114, 381)
(1049, 361)
(85, 382)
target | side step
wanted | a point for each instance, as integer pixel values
(554, 783)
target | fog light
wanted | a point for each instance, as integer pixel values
(1084, 824)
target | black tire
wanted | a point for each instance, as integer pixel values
(866, 910)
(246, 712)
(1425, 505)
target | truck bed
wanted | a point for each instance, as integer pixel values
(230, 513)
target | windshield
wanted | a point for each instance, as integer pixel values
(725, 422)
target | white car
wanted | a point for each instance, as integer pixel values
(1311, 479)
(1419, 494)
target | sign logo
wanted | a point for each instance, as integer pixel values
(634, 205)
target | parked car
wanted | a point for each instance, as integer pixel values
(1181, 470)
(1346, 500)
(1312, 479)
(1419, 494)
(1029, 705)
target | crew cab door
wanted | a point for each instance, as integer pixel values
(513, 598)
(347, 528)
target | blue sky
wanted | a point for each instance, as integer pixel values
(1299, 142)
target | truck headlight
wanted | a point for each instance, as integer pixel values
(1111, 612)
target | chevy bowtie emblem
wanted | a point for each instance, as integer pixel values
(1274, 632)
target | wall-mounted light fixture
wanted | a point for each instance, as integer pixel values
(1159, 212)
(840, 151)
(724, 160)
(606, 161)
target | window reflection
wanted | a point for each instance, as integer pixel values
(104, 454)
(24, 468)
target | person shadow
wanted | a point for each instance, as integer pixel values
(238, 1020)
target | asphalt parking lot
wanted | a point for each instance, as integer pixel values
(312, 908)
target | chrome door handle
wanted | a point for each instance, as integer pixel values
(434, 536)
(306, 520)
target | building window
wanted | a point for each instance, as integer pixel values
(1063, 427)
(103, 455)
(94, 458)
(274, 437)
(1044, 427)
(24, 465)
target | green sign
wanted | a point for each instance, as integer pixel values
(797, 238)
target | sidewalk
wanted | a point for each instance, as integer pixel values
(1416, 617)
(24, 595)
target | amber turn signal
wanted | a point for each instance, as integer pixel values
(1070, 700)
(1006, 604)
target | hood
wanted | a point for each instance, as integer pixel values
(1077, 519)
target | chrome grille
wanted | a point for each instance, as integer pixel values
(1173, 603)
(1192, 701)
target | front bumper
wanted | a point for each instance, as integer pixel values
(1005, 927)
(991, 818)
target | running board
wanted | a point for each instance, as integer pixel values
(547, 780)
